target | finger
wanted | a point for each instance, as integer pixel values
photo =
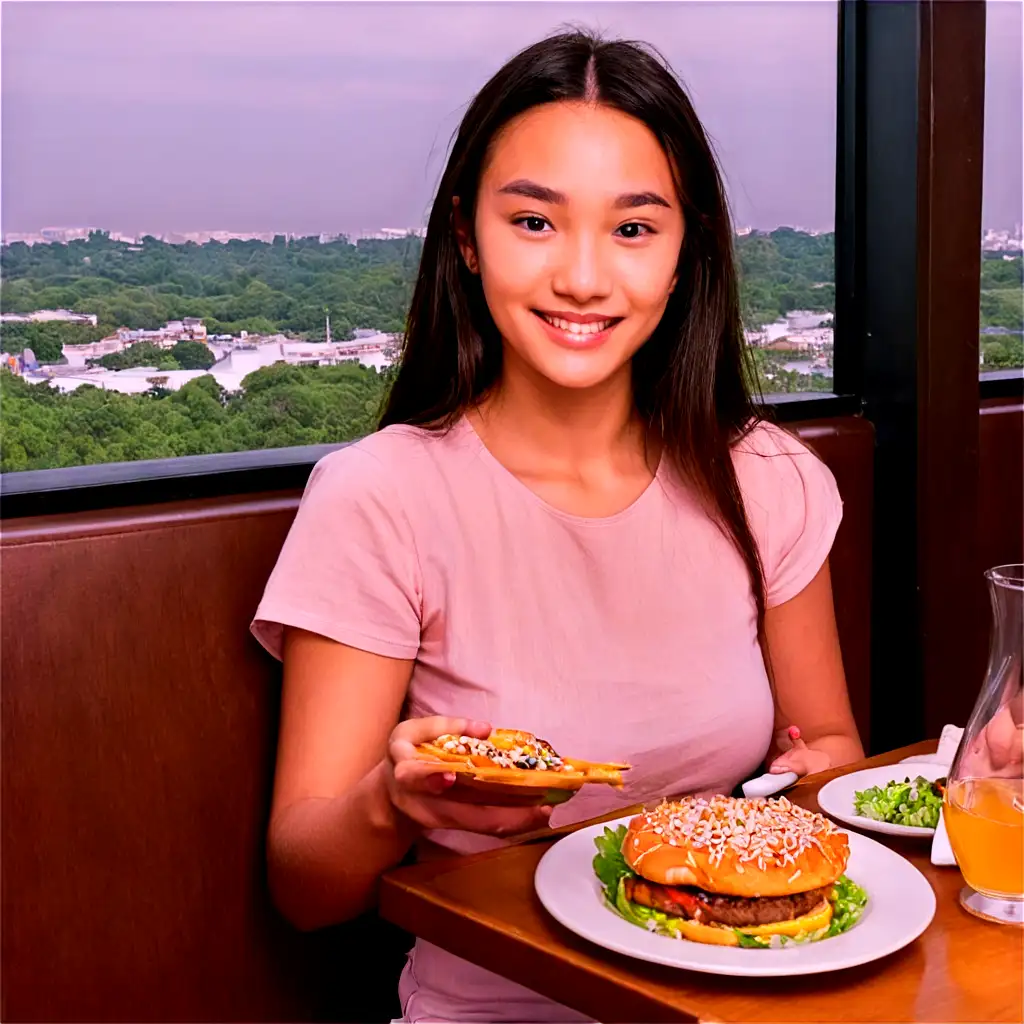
(508, 798)
(792, 761)
(413, 731)
(794, 736)
(423, 776)
(490, 820)
(1004, 738)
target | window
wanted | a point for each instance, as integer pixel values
(212, 211)
(1002, 286)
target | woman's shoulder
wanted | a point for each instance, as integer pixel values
(765, 439)
(793, 506)
(770, 457)
(397, 459)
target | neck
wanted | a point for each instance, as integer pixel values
(570, 427)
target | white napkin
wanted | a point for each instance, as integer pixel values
(942, 852)
(949, 740)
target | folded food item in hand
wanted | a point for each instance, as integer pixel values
(518, 760)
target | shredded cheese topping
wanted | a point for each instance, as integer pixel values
(772, 831)
(527, 756)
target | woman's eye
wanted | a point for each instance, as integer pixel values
(633, 230)
(534, 224)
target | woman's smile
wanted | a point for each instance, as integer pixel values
(577, 331)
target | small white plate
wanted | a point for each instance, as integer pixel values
(900, 907)
(835, 798)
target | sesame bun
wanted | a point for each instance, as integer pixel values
(736, 847)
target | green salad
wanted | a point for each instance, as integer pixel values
(847, 898)
(914, 802)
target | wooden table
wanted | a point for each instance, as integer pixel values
(483, 908)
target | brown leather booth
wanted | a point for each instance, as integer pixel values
(138, 730)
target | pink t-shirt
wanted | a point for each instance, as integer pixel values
(628, 638)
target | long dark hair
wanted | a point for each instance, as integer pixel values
(689, 378)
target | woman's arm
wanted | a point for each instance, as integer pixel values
(809, 683)
(333, 828)
(350, 793)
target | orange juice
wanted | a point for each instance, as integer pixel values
(985, 822)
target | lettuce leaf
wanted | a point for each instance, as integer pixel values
(848, 903)
(609, 864)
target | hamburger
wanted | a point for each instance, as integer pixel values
(517, 766)
(731, 872)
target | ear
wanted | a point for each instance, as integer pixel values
(464, 237)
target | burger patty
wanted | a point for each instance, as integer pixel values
(733, 911)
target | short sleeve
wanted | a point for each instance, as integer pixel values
(793, 505)
(348, 569)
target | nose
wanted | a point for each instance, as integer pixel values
(582, 273)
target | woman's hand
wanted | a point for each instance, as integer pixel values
(799, 757)
(422, 791)
(998, 749)
(806, 671)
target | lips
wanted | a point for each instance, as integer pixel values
(574, 333)
(576, 327)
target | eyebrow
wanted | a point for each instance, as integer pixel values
(543, 194)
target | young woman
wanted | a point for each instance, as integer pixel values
(572, 520)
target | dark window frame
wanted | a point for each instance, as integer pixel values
(1002, 384)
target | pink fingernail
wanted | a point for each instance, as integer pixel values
(794, 732)
(448, 778)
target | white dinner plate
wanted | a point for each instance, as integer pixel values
(835, 798)
(900, 906)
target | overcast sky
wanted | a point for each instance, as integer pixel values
(309, 117)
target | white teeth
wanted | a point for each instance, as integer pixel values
(571, 327)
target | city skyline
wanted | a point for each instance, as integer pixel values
(335, 118)
(172, 236)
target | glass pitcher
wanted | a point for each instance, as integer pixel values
(984, 800)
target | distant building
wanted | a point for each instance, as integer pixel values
(80, 355)
(44, 315)
(801, 328)
(188, 329)
(27, 237)
(236, 363)
(249, 354)
(134, 381)
(1002, 241)
(388, 234)
(788, 345)
(800, 319)
(65, 234)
